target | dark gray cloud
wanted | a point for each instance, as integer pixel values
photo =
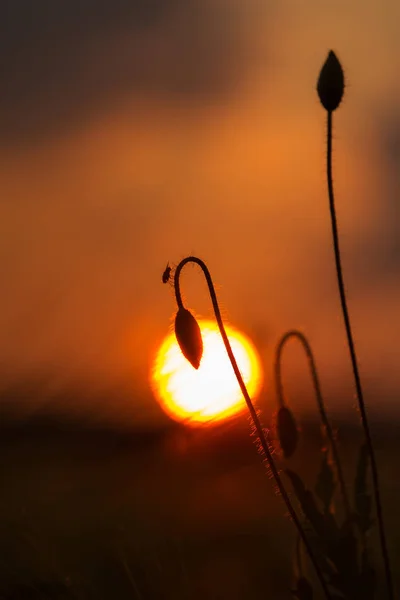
(59, 60)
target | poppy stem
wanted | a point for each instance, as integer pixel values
(294, 333)
(257, 424)
(350, 341)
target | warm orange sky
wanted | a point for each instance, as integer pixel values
(143, 132)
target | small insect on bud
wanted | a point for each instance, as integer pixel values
(167, 274)
(188, 335)
(287, 431)
(330, 84)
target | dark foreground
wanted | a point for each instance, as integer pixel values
(175, 514)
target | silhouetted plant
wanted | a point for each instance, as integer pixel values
(284, 428)
(338, 551)
(187, 333)
(341, 550)
(330, 89)
(303, 590)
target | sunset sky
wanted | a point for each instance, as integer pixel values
(136, 132)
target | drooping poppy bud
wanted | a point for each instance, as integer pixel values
(287, 431)
(330, 84)
(188, 335)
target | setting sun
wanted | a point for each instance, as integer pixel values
(212, 392)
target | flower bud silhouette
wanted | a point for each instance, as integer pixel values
(287, 431)
(330, 88)
(188, 335)
(330, 84)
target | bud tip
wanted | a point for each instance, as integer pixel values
(330, 85)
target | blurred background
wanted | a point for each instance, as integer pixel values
(136, 132)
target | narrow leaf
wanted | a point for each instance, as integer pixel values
(307, 502)
(325, 485)
(287, 431)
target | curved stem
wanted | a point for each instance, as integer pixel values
(294, 333)
(250, 406)
(360, 396)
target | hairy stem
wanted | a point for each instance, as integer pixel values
(360, 396)
(250, 406)
(294, 333)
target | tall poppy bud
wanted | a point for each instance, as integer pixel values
(330, 84)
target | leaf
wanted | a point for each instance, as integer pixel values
(307, 502)
(325, 485)
(287, 431)
(188, 335)
(303, 590)
(319, 550)
(362, 500)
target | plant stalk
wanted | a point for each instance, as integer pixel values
(250, 406)
(294, 333)
(360, 396)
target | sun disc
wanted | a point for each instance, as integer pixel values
(210, 393)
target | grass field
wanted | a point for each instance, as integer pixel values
(96, 514)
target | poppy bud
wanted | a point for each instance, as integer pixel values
(330, 84)
(287, 431)
(188, 335)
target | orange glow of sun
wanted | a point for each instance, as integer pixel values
(212, 392)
